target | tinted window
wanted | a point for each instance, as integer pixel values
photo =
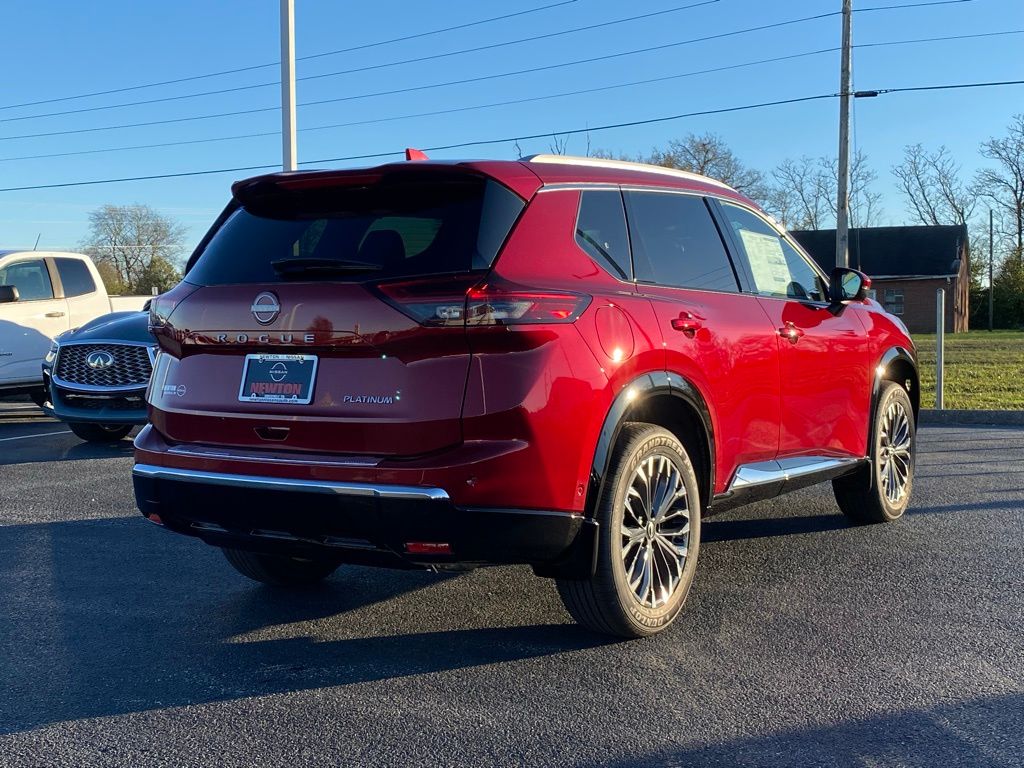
(30, 278)
(386, 230)
(777, 268)
(601, 231)
(75, 277)
(675, 242)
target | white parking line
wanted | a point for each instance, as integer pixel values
(41, 434)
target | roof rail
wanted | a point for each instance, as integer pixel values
(624, 165)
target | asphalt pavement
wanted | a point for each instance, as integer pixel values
(806, 641)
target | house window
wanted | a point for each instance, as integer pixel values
(894, 301)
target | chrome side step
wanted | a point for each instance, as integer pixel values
(768, 479)
(782, 470)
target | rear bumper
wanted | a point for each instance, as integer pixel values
(362, 523)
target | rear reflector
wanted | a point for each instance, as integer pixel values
(153, 517)
(428, 548)
(460, 302)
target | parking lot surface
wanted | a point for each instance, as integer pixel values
(806, 641)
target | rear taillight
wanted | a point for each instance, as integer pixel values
(461, 301)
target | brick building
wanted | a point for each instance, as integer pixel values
(906, 266)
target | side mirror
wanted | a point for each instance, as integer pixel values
(145, 307)
(9, 293)
(848, 285)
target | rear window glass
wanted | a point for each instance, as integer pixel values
(601, 231)
(388, 230)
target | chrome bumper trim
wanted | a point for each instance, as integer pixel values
(287, 484)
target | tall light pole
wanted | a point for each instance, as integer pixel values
(843, 194)
(991, 261)
(289, 150)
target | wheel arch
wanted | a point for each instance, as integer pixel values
(667, 400)
(897, 364)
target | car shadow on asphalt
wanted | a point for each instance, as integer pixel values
(108, 617)
(980, 733)
(60, 447)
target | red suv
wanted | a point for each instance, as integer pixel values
(553, 361)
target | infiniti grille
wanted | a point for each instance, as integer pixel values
(131, 366)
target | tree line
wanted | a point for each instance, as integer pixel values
(801, 193)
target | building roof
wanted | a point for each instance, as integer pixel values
(882, 252)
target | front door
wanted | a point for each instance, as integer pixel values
(27, 326)
(824, 358)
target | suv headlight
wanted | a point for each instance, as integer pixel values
(52, 354)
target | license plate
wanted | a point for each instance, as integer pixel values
(278, 379)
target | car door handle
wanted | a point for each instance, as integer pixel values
(688, 323)
(791, 332)
(55, 314)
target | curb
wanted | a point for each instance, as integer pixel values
(932, 416)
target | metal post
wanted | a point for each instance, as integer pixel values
(290, 152)
(845, 87)
(940, 344)
(991, 260)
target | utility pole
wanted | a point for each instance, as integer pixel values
(845, 87)
(289, 151)
(991, 254)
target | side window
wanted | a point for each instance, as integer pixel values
(601, 231)
(676, 242)
(30, 278)
(75, 277)
(777, 267)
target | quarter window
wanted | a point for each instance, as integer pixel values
(75, 277)
(30, 278)
(894, 301)
(601, 231)
(778, 269)
(676, 243)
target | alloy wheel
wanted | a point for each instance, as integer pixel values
(655, 531)
(895, 452)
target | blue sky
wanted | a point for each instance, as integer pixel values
(65, 48)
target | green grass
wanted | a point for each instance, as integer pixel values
(983, 370)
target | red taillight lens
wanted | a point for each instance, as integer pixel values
(462, 301)
(500, 304)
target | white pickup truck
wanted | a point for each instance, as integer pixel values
(43, 294)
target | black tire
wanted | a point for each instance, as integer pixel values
(608, 603)
(871, 495)
(279, 570)
(100, 433)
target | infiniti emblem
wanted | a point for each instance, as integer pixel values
(99, 359)
(265, 308)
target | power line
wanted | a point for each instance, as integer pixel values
(411, 89)
(511, 139)
(510, 102)
(252, 67)
(370, 67)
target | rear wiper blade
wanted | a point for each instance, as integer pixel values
(322, 266)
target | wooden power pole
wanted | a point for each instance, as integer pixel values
(845, 88)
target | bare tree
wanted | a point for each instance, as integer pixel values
(804, 192)
(129, 237)
(1003, 183)
(558, 144)
(931, 183)
(709, 155)
(798, 194)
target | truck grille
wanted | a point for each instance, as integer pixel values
(130, 367)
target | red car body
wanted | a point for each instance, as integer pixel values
(497, 436)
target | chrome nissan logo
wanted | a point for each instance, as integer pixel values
(99, 359)
(265, 308)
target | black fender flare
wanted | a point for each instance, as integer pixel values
(637, 391)
(890, 356)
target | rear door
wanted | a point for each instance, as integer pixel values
(28, 326)
(825, 358)
(365, 282)
(714, 335)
